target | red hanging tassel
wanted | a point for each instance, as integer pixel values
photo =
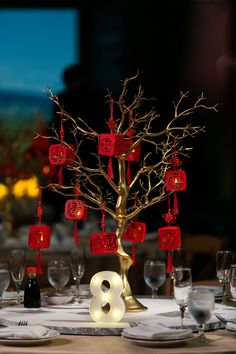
(175, 210)
(110, 168)
(39, 263)
(128, 173)
(169, 268)
(76, 232)
(39, 214)
(60, 176)
(133, 254)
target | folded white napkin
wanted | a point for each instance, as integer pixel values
(24, 332)
(84, 289)
(157, 332)
(231, 326)
(11, 295)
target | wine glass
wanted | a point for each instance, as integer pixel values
(177, 261)
(17, 268)
(58, 274)
(201, 304)
(182, 286)
(77, 258)
(4, 279)
(233, 281)
(223, 265)
(154, 275)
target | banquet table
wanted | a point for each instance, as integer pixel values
(159, 310)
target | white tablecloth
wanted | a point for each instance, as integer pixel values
(75, 319)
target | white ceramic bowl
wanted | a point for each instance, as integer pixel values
(58, 299)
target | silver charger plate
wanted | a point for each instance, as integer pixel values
(159, 343)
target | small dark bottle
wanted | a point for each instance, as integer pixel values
(32, 297)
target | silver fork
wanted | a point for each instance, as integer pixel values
(22, 323)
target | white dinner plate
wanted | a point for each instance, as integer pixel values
(159, 343)
(29, 342)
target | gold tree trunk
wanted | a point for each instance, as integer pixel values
(131, 303)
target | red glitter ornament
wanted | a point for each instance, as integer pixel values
(135, 232)
(169, 237)
(76, 209)
(134, 154)
(61, 154)
(175, 180)
(39, 235)
(103, 243)
(111, 144)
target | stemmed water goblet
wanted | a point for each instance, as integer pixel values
(201, 304)
(4, 279)
(77, 262)
(223, 266)
(177, 256)
(233, 281)
(154, 275)
(182, 286)
(58, 274)
(17, 268)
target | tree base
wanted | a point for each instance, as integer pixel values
(133, 305)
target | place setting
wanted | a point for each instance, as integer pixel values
(169, 329)
(27, 335)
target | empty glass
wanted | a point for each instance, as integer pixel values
(182, 286)
(77, 259)
(58, 274)
(17, 268)
(4, 279)
(177, 256)
(154, 275)
(233, 281)
(201, 304)
(223, 266)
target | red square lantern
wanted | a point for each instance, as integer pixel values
(169, 238)
(110, 242)
(175, 180)
(60, 154)
(104, 242)
(135, 232)
(76, 209)
(96, 243)
(111, 144)
(39, 236)
(134, 154)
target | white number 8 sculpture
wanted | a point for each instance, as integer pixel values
(110, 297)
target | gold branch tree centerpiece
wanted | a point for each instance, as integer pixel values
(122, 172)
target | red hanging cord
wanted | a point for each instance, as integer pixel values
(62, 128)
(76, 232)
(128, 173)
(175, 164)
(39, 214)
(112, 126)
(76, 229)
(169, 268)
(133, 254)
(175, 209)
(111, 121)
(40, 209)
(103, 221)
(60, 173)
